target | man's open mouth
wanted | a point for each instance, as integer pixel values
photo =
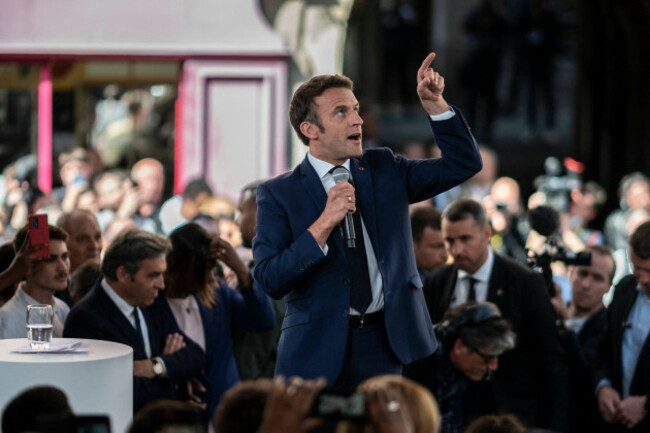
(354, 137)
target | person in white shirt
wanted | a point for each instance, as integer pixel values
(43, 277)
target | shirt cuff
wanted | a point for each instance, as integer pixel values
(603, 382)
(443, 116)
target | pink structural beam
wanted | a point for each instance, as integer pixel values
(178, 136)
(45, 130)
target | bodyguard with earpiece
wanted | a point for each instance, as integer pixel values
(472, 336)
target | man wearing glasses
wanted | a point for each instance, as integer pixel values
(532, 380)
(472, 337)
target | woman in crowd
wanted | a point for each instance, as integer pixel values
(205, 307)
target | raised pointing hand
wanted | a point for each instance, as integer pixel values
(430, 87)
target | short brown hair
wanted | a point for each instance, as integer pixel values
(496, 424)
(421, 404)
(73, 154)
(464, 208)
(640, 241)
(56, 234)
(302, 107)
(423, 217)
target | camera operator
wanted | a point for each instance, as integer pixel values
(581, 326)
(578, 203)
(473, 336)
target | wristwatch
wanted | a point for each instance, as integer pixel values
(158, 369)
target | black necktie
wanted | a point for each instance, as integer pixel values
(361, 291)
(471, 293)
(138, 326)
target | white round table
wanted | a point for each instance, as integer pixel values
(97, 382)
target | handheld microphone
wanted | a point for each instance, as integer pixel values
(341, 174)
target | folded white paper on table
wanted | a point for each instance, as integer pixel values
(74, 347)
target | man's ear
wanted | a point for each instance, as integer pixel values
(309, 130)
(122, 274)
(488, 232)
(458, 346)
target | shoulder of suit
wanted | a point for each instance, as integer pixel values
(378, 152)
(627, 282)
(514, 266)
(280, 178)
(443, 273)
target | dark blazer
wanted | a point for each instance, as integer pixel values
(247, 308)
(607, 364)
(317, 287)
(531, 381)
(580, 352)
(97, 317)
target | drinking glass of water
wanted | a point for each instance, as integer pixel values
(39, 326)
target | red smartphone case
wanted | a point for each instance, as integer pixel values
(39, 233)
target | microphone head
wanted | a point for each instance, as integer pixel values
(544, 220)
(340, 174)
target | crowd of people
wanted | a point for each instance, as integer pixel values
(401, 283)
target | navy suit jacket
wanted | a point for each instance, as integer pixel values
(317, 287)
(96, 316)
(531, 380)
(608, 365)
(248, 308)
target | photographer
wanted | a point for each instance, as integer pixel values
(473, 336)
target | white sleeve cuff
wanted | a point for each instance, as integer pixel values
(443, 116)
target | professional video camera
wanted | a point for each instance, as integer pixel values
(557, 186)
(546, 221)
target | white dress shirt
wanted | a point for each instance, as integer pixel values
(482, 277)
(323, 170)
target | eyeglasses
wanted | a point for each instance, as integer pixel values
(486, 358)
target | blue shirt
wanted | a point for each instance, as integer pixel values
(634, 337)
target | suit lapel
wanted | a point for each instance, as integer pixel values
(313, 185)
(119, 322)
(497, 283)
(315, 191)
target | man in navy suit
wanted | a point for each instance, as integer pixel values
(353, 312)
(124, 307)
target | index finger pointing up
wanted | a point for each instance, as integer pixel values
(425, 64)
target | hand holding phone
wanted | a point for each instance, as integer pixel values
(340, 403)
(39, 234)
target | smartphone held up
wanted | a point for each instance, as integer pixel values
(39, 234)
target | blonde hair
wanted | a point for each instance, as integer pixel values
(419, 401)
